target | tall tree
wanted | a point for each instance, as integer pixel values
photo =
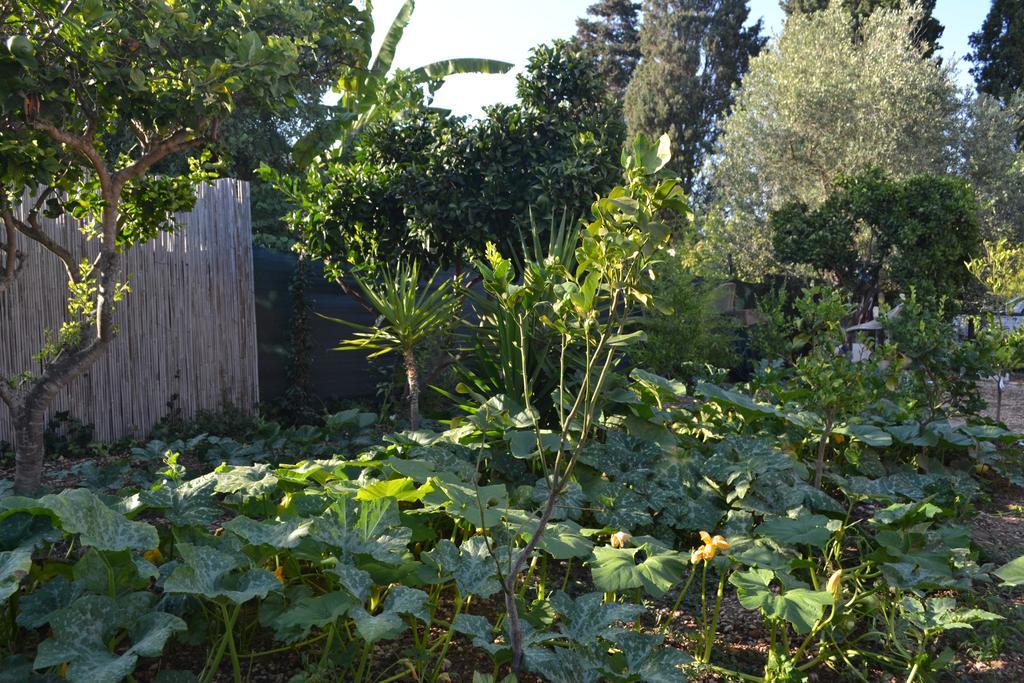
(998, 54)
(826, 100)
(76, 73)
(611, 40)
(693, 53)
(928, 29)
(993, 162)
(434, 188)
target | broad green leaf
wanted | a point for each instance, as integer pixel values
(14, 566)
(38, 607)
(276, 534)
(373, 528)
(188, 504)
(386, 54)
(560, 540)
(82, 631)
(869, 434)
(736, 400)
(588, 617)
(471, 566)
(211, 574)
(647, 658)
(936, 615)
(404, 490)
(799, 606)
(481, 506)
(464, 65)
(376, 627)
(654, 569)
(904, 514)
(810, 530)
(81, 512)
(102, 571)
(27, 530)
(356, 581)
(295, 622)
(407, 601)
(1012, 573)
(245, 482)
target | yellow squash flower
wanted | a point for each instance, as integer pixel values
(154, 556)
(711, 546)
(279, 573)
(834, 585)
(620, 538)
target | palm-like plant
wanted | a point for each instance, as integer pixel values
(409, 312)
(371, 91)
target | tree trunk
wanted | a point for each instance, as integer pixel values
(412, 376)
(999, 398)
(29, 447)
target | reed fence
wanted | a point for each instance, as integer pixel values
(187, 329)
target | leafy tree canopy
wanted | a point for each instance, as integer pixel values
(998, 50)
(876, 234)
(438, 188)
(611, 39)
(694, 53)
(993, 161)
(928, 30)
(77, 78)
(824, 101)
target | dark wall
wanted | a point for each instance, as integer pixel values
(336, 374)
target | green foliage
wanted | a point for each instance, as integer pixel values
(369, 94)
(1001, 271)
(610, 37)
(927, 28)
(410, 312)
(876, 235)
(692, 333)
(438, 189)
(826, 99)
(694, 52)
(996, 51)
(994, 163)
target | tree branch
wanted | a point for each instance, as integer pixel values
(177, 142)
(80, 144)
(34, 231)
(6, 394)
(13, 259)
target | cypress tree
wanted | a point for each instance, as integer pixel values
(929, 29)
(611, 39)
(693, 53)
(998, 54)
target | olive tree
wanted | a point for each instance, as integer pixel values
(76, 77)
(826, 99)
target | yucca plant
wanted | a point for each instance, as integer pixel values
(408, 313)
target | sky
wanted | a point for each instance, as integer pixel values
(508, 29)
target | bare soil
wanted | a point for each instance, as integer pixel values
(1012, 410)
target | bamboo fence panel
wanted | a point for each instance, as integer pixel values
(187, 329)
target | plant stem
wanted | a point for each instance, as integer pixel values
(709, 639)
(229, 622)
(679, 600)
